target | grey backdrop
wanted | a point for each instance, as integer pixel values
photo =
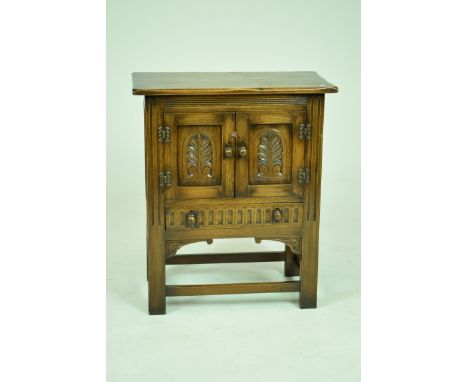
(238, 338)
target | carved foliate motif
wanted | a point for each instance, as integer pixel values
(270, 155)
(293, 243)
(173, 246)
(199, 155)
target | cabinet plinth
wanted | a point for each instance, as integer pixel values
(233, 155)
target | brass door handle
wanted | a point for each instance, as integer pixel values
(228, 151)
(242, 150)
(277, 214)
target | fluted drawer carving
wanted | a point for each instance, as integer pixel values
(235, 217)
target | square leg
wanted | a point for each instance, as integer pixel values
(157, 299)
(156, 274)
(308, 271)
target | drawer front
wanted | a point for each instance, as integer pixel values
(219, 217)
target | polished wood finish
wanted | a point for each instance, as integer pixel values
(155, 234)
(230, 83)
(265, 233)
(234, 215)
(232, 155)
(208, 289)
(239, 201)
(291, 263)
(242, 257)
(310, 243)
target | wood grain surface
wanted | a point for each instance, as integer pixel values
(244, 155)
(204, 83)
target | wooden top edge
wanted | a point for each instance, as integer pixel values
(162, 92)
(242, 83)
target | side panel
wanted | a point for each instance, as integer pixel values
(155, 212)
(310, 242)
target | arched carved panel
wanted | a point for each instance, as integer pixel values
(198, 155)
(270, 154)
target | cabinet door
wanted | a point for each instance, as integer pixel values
(274, 154)
(195, 155)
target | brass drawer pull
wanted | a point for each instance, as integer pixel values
(277, 215)
(191, 219)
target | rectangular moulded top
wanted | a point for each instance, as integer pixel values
(212, 83)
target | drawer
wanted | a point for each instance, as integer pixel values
(219, 217)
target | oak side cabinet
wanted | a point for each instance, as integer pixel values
(232, 155)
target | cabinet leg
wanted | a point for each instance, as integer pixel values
(308, 270)
(157, 275)
(156, 298)
(291, 264)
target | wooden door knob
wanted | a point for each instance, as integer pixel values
(242, 151)
(228, 151)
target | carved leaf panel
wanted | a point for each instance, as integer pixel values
(270, 155)
(199, 155)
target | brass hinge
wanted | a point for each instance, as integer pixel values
(164, 134)
(165, 179)
(305, 131)
(304, 175)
